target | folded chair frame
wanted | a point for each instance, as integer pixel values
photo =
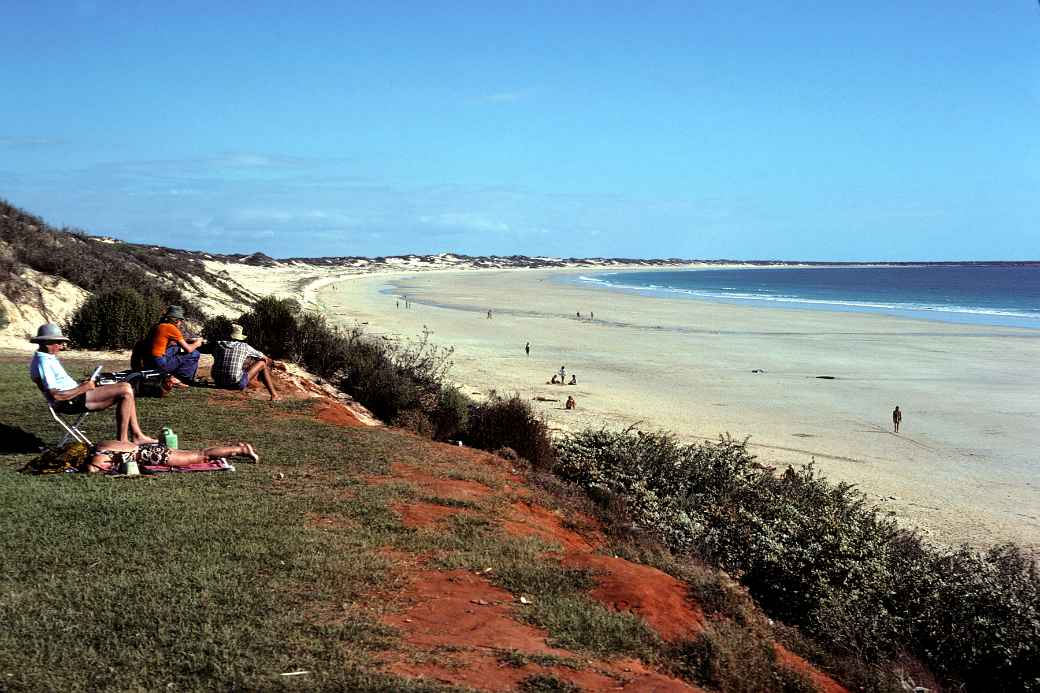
(72, 431)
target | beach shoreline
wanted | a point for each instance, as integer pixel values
(961, 470)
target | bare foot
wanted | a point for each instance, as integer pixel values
(175, 382)
(144, 440)
(251, 453)
(276, 398)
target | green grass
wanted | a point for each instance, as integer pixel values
(205, 582)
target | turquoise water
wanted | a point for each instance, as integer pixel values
(977, 293)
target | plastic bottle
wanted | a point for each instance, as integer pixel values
(169, 438)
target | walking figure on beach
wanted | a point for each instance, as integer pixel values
(579, 315)
(489, 315)
(897, 418)
(527, 348)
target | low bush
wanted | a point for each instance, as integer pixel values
(510, 422)
(415, 421)
(451, 415)
(271, 327)
(216, 329)
(732, 658)
(817, 555)
(113, 319)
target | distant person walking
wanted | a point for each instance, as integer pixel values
(489, 315)
(897, 418)
(527, 348)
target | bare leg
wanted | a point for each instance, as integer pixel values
(258, 370)
(183, 457)
(121, 395)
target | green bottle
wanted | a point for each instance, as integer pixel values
(169, 438)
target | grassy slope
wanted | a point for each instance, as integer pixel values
(205, 581)
(225, 581)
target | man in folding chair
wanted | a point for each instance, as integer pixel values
(68, 397)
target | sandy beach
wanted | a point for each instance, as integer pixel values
(963, 468)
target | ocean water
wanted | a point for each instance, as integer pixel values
(977, 293)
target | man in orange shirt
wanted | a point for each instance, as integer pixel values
(173, 353)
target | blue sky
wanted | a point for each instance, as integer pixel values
(851, 131)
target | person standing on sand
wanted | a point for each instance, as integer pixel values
(563, 375)
(897, 418)
(527, 348)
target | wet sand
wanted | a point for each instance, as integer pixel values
(964, 467)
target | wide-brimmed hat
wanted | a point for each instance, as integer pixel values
(236, 332)
(175, 312)
(48, 333)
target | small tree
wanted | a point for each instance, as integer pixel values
(113, 319)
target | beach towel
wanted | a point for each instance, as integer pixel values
(220, 465)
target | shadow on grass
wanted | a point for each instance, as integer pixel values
(17, 441)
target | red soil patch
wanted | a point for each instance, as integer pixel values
(527, 520)
(419, 515)
(655, 596)
(459, 609)
(482, 670)
(335, 413)
(446, 610)
(823, 683)
(455, 489)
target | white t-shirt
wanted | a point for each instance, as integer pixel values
(47, 369)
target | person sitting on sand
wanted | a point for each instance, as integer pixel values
(570, 404)
(69, 397)
(555, 380)
(108, 455)
(574, 379)
(236, 364)
(171, 352)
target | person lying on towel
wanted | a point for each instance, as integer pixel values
(108, 455)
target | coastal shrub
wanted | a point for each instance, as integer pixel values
(817, 555)
(510, 422)
(321, 348)
(451, 414)
(733, 658)
(113, 319)
(271, 327)
(373, 379)
(416, 421)
(216, 329)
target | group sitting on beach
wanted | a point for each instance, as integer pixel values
(558, 379)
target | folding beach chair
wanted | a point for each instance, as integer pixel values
(71, 430)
